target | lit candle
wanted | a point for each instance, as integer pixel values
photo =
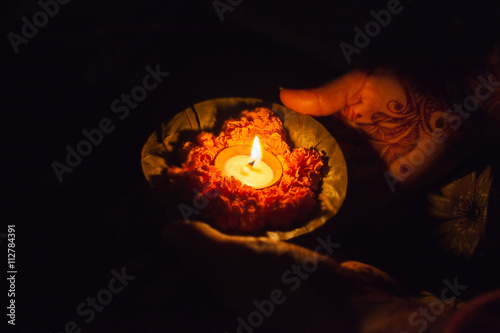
(260, 169)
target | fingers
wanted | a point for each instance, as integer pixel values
(241, 269)
(245, 271)
(334, 96)
(199, 240)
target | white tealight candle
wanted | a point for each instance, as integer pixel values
(257, 168)
(259, 175)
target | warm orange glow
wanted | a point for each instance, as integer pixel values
(256, 154)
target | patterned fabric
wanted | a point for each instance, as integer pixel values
(463, 206)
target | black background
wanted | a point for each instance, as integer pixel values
(70, 235)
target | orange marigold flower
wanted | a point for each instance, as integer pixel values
(234, 205)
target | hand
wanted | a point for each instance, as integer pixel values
(407, 128)
(308, 291)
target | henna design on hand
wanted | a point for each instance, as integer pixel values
(396, 131)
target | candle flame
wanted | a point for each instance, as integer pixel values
(256, 154)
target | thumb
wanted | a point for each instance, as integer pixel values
(322, 101)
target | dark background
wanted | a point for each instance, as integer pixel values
(70, 235)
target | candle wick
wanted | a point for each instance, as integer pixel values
(251, 163)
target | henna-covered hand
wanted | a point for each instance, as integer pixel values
(408, 128)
